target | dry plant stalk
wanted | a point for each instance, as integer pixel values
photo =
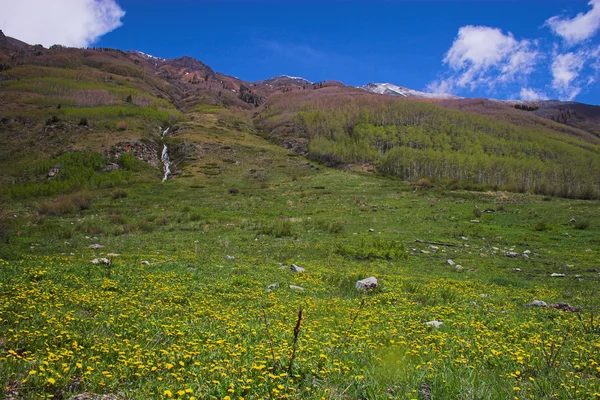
(295, 341)
(268, 334)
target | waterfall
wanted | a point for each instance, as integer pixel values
(166, 162)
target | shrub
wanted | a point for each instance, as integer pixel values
(65, 205)
(119, 194)
(52, 120)
(330, 226)
(145, 226)
(582, 225)
(541, 226)
(278, 229)
(423, 183)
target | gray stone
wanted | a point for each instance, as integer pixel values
(95, 246)
(555, 275)
(294, 287)
(435, 324)
(295, 268)
(512, 254)
(145, 262)
(105, 261)
(537, 303)
(451, 263)
(367, 284)
(230, 258)
(273, 286)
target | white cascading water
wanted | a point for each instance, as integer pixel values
(166, 162)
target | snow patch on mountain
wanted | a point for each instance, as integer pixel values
(394, 90)
(149, 56)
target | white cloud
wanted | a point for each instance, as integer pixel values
(579, 28)
(485, 56)
(565, 71)
(529, 94)
(76, 23)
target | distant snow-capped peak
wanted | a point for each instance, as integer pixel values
(394, 90)
(149, 56)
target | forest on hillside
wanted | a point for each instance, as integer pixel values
(415, 140)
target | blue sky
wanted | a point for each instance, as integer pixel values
(494, 48)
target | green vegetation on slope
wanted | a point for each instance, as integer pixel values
(414, 140)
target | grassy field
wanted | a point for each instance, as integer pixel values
(185, 309)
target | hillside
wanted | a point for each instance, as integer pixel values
(235, 277)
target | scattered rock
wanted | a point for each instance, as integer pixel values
(295, 268)
(230, 258)
(527, 252)
(555, 275)
(517, 269)
(451, 263)
(424, 251)
(564, 307)
(272, 286)
(537, 303)
(367, 284)
(433, 247)
(95, 246)
(572, 220)
(435, 324)
(53, 172)
(145, 262)
(294, 287)
(459, 267)
(473, 304)
(112, 255)
(112, 167)
(105, 261)
(371, 230)
(512, 254)
(192, 269)
(475, 221)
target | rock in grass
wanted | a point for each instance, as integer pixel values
(294, 287)
(146, 262)
(295, 268)
(537, 303)
(105, 261)
(230, 258)
(512, 254)
(555, 275)
(95, 246)
(367, 284)
(451, 263)
(564, 307)
(272, 286)
(435, 324)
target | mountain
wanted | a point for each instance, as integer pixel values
(394, 90)
(107, 101)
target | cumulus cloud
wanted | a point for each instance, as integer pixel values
(485, 56)
(529, 94)
(565, 71)
(580, 28)
(75, 23)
